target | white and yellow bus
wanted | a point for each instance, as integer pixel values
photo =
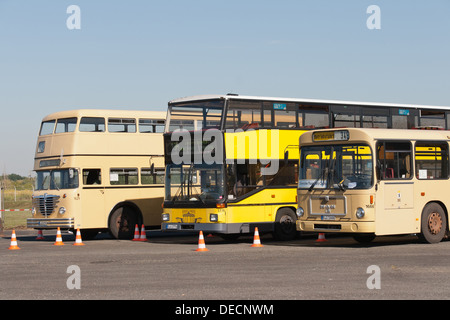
(374, 182)
(99, 170)
(229, 189)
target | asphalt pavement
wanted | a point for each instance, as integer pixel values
(167, 267)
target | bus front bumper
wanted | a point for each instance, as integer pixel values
(217, 227)
(336, 227)
(43, 223)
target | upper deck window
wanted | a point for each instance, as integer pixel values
(121, 125)
(151, 125)
(47, 127)
(92, 124)
(196, 115)
(432, 118)
(243, 115)
(66, 125)
(284, 114)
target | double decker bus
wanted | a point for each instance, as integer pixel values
(374, 182)
(249, 177)
(99, 170)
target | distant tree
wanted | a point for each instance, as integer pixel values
(15, 177)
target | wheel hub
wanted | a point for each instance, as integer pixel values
(287, 223)
(435, 223)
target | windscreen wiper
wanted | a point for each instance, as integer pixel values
(321, 177)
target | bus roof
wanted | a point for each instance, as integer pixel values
(362, 134)
(106, 113)
(301, 100)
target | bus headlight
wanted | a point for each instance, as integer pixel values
(62, 210)
(165, 217)
(300, 212)
(360, 213)
(213, 217)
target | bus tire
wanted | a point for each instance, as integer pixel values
(285, 228)
(122, 222)
(433, 223)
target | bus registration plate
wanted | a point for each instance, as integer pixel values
(328, 218)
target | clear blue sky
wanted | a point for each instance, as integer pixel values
(141, 54)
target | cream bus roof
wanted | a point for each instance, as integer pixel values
(106, 113)
(301, 100)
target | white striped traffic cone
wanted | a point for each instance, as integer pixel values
(256, 239)
(321, 238)
(136, 233)
(13, 245)
(143, 236)
(78, 241)
(201, 243)
(40, 236)
(58, 241)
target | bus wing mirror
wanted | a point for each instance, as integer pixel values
(152, 169)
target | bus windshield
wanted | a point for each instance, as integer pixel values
(194, 183)
(57, 179)
(336, 167)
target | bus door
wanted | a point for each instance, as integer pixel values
(395, 188)
(93, 204)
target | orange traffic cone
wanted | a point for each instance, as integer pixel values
(321, 238)
(143, 236)
(58, 241)
(13, 245)
(136, 233)
(40, 236)
(256, 239)
(201, 243)
(78, 241)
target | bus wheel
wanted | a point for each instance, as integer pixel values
(433, 224)
(122, 223)
(285, 228)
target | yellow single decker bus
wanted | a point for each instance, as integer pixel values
(99, 170)
(232, 160)
(374, 182)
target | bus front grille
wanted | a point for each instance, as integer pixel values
(45, 204)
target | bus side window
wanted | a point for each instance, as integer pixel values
(431, 160)
(92, 176)
(157, 177)
(394, 160)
